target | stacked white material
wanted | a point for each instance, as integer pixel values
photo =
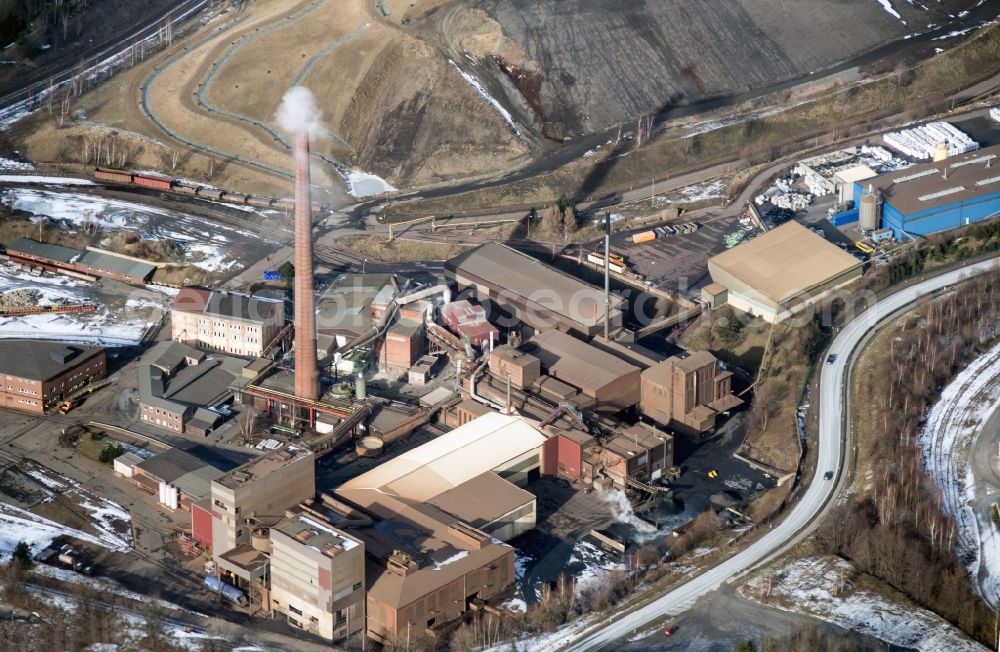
(995, 113)
(919, 142)
(795, 201)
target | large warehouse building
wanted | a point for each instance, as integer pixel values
(781, 272)
(534, 293)
(438, 515)
(937, 196)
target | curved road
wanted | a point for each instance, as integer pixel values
(831, 455)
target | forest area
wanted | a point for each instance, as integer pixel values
(36, 23)
(894, 528)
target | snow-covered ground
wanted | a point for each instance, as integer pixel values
(946, 440)
(822, 587)
(489, 98)
(17, 525)
(55, 181)
(208, 245)
(113, 521)
(11, 164)
(597, 566)
(362, 184)
(98, 327)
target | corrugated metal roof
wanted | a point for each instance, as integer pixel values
(575, 362)
(925, 186)
(107, 262)
(42, 250)
(784, 262)
(521, 275)
(481, 445)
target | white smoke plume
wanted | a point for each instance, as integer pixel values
(298, 110)
(621, 509)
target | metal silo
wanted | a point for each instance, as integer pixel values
(870, 213)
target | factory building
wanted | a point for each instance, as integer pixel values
(534, 294)
(469, 322)
(37, 375)
(255, 492)
(227, 322)
(641, 452)
(438, 516)
(317, 574)
(607, 379)
(686, 394)
(935, 196)
(181, 389)
(782, 272)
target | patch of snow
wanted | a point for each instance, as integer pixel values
(17, 524)
(56, 181)
(493, 102)
(98, 327)
(820, 587)
(47, 480)
(516, 605)
(946, 441)
(887, 6)
(363, 184)
(11, 164)
(597, 566)
(461, 554)
(957, 32)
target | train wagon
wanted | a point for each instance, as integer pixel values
(185, 189)
(644, 236)
(151, 181)
(113, 175)
(210, 193)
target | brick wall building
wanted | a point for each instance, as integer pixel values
(227, 322)
(37, 375)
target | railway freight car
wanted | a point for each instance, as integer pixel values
(112, 175)
(152, 181)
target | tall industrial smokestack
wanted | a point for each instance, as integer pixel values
(298, 114)
(306, 372)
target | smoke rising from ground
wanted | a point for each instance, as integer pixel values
(621, 509)
(298, 110)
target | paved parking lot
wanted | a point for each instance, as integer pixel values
(678, 263)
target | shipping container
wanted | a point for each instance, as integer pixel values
(645, 236)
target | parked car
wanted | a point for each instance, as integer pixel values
(669, 631)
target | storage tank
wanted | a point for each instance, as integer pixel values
(369, 447)
(940, 151)
(260, 539)
(870, 213)
(360, 388)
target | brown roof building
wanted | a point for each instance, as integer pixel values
(686, 394)
(36, 375)
(536, 294)
(227, 322)
(781, 272)
(606, 378)
(439, 513)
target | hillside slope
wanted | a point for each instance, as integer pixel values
(582, 65)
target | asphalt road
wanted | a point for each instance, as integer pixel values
(831, 455)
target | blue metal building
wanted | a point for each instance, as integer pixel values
(937, 196)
